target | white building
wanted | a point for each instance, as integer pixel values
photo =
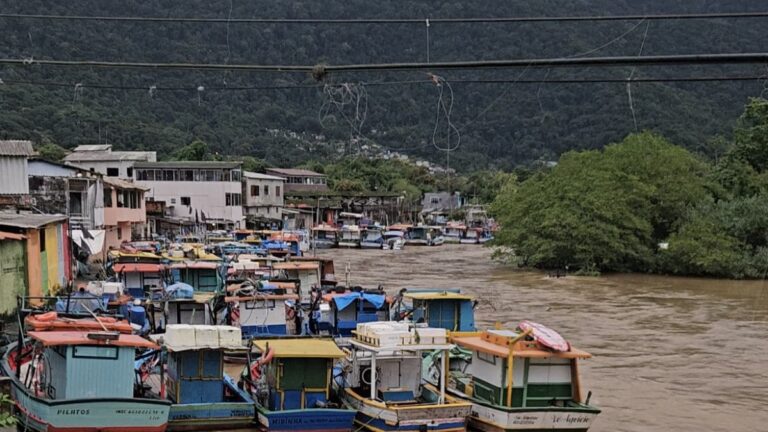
(208, 192)
(263, 195)
(100, 158)
(14, 167)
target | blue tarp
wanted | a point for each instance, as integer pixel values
(343, 301)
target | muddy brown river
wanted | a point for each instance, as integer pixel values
(670, 354)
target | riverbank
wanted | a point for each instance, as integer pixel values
(671, 353)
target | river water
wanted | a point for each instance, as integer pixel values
(670, 354)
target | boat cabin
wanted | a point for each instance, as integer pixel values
(425, 235)
(203, 276)
(140, 279)
(539, 378)
(204, 396)
(341, 313)
(262, 313)
(325, 236)
(452, 311)
(299, 372)
(306, 273)
(349, 236)
(372, 238)
(81, 364)
(454, 233)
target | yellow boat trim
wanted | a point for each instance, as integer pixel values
(437, 296)
(301, 348)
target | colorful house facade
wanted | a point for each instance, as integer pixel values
(47, 254)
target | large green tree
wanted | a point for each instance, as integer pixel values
(602, 210)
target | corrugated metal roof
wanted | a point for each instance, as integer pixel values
(93, 147)
(16, 148)
(187, 164)
(259, 176)
(106, 156)
(123, 184)
(28, 220)
(295, 172)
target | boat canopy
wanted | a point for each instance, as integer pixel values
(393, 234)
(343, 301)
(300, 348)
(297, 265)
(138, 268)
(497, 345)
(58, 338)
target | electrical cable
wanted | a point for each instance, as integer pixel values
(483, 20)
(154, 89)
(323, 70)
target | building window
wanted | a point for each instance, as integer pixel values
(187, 175)
(108, 197)
(186, 201)
(266, 190)
(113, 172)
(277, 191)
(254, 190)
(173, 200)
(435, 200)
(233, 199)
(42, 240)
(119, 233)
(129, 172)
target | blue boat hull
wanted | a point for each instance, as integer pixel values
(309, 420)
(364, 422)
(211, 416)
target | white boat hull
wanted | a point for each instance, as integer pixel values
(489, 419)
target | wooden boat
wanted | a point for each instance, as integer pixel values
(204, 397)
(454, 232)
(291, 382)
(514, 384)
(140, 278)
(381, 378)
(308, 274)
(349, 236)
(325, 237)
(472, 236)
(80, 381)
(339, 313)
(372, 238)
(424, 236)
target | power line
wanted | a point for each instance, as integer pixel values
(420, 21)
(391, 83)
(321, 70)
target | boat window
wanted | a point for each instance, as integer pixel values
(95, 352)
(489, 358)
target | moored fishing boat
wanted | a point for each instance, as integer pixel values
(424, 236)
(454, 232)
(291, 382)
(325, 237)
(372, 238)
(439, 308)
(516, 381)
(204, 397)
(349, 236)
(80, 381)
(472, 236)
(381, 378)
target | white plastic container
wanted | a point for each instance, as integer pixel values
(206, 336)
(179, 335)
(230, 337)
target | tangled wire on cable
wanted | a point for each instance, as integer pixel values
(349, 101)
(444, 110)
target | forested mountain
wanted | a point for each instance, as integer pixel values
(501, 124)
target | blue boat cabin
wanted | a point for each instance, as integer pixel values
(196, 376)
(449, 310)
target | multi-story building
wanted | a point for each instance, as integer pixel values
(100, 158)
(263, 195)
(300, 180)
(192, 191)
(124, 215)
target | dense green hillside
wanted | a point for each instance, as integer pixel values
(502, 125)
